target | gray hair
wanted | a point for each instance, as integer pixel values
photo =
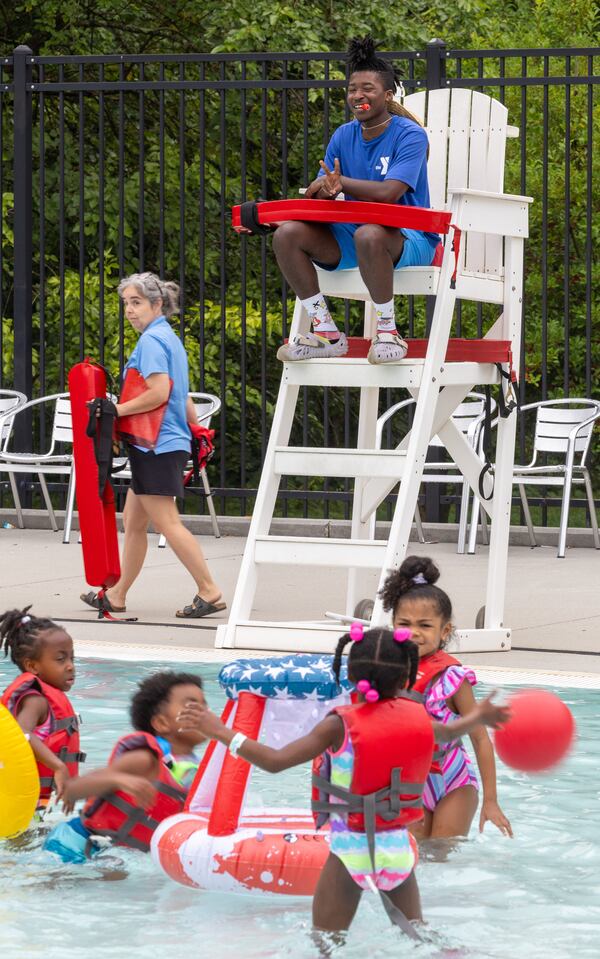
(154, 289)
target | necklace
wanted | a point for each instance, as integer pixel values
(383, 123)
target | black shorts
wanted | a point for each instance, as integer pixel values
(157, 474)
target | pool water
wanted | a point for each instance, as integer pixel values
(533, 897)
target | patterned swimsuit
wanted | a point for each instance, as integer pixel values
(395, 849)
(457, 768)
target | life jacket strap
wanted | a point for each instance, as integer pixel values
(70, 723)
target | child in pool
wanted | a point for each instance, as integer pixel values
(150, 769)
(38, 697)
(451, 792)
(368, 744)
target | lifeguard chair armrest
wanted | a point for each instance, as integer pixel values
(502, 214)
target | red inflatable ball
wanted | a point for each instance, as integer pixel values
(538, 734)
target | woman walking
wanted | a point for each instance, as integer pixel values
(157, 475)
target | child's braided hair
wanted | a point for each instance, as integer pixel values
(386, 664)
(21, 635)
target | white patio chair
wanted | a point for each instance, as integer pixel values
(207, 406)
(468, 417)
(10, 402)
(49, 463)
(563, 428)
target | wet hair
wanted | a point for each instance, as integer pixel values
(154, 289)
(153, 692)
(416, 579)
(377, 657)
(362, 56)
(22, 635)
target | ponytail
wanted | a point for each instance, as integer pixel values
(20, 634)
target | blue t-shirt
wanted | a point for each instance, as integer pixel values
(159, 350)
(398, 153)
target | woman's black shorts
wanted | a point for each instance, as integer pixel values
(157, 474)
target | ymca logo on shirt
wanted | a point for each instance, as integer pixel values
(383, 165)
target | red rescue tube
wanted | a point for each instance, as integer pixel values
(97, 515)
(274, 212)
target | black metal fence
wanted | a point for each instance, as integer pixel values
(115, 164)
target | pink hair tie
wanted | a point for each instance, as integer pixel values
(401, 635)
(357, 632)
(364, 686)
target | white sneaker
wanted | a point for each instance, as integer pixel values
(387, 348)
(309, 346)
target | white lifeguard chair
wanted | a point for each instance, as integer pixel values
(467, 134)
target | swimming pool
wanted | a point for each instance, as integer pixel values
(535, 896)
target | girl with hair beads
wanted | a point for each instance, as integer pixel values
(38, 698)
(450, 796)
(375, 755)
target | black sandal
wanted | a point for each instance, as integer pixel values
(101, 602)
(199, 608)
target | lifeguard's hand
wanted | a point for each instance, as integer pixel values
(196, 718)
(488, 714)
(332, 181)
(325, 187)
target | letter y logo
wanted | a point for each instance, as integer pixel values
(385, 162)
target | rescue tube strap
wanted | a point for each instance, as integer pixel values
(100, 428)
(249, 218)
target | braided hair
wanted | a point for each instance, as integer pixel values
(362, 55)
(416, 579)
(153, 692)
(22, 635)
(378, 658)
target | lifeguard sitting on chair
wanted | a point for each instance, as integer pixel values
(381, 158)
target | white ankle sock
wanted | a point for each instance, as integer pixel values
(386, 319)
(319, 315)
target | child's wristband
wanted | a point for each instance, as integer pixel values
(235, 744)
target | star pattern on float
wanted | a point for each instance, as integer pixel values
(305, 677)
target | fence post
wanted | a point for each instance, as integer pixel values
(435, 78)
(23, 224)
(435, 62)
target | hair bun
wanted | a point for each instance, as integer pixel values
(361, 49)
(419, 568)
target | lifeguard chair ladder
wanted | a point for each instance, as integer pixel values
(467, 134)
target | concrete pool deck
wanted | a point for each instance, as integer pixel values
(553, 605)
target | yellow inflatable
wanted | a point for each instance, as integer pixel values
(19, 780)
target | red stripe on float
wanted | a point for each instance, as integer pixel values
(207, 757)
(229, 794)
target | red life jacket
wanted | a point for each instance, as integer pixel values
(430, 667)
(63, 740)
(393, 747)
(119, 816)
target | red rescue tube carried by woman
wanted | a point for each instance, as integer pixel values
(97, 513)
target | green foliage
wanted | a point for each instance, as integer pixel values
(235, 303)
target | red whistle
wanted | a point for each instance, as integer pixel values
(364, 106)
